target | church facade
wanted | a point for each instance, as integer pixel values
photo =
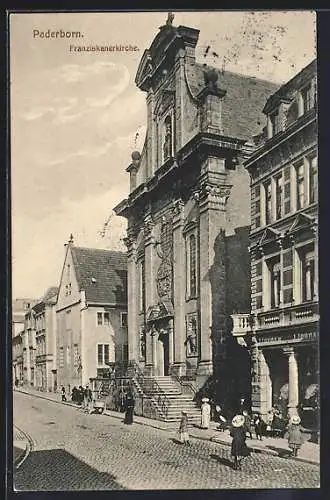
(188, 209)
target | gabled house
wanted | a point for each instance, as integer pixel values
(91, 314)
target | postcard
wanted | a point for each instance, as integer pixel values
(164, 212)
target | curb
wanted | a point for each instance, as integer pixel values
(25, 453)
(213, 439)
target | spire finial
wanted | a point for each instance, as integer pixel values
(169, 20)
(71, 239)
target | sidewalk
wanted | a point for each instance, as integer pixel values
(309, 452)
(20, 446)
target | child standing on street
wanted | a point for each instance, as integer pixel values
(294, 435)
(247, 423)
(258, 426)
(183, 429)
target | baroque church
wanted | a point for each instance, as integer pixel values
(188, 214)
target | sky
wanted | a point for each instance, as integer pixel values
(76, 117)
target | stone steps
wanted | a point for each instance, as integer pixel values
(177, 400)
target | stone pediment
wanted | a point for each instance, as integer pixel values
(163, 309)
(268, 236)
(144, 71)
(301, 221)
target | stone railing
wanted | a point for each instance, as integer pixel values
(241, 324)
(293, 314)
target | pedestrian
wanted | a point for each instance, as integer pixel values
(74, 395)
(247, 423)
(295, 439)
(129, 407)
(238, 445)
(183, 429)
(220, 418)
(269, 422)
(241, 406)
(63, 394)
(205, 413)
(87, 399)
(80, 395)
(258, 426)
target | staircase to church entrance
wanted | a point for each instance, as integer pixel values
(164, 398)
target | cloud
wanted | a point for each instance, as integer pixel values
(37, 266)
(73, 91)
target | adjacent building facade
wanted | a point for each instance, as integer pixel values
(188, 210)
(91, 314)
(45, 341)
(284, 251)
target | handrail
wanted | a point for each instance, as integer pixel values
(185, 383)
(150, 387)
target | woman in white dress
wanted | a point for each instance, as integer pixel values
(205, 413)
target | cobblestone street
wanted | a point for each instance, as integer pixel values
(77, 451)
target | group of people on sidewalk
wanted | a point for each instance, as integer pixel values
(240, 427)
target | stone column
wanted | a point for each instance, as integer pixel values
(214, 192)
(170, 343)
(179, 333)
(265, 385)
(133, 348)
(154, 340)
(293, 381)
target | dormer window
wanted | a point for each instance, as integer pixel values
(274, 119)
(307, 96)
(168, 138)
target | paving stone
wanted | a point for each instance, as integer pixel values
(96, 452)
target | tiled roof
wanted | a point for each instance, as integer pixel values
(102, 274)
(51, 294)
(242, 106)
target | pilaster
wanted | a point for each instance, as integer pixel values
(213, 194)
(178, 287)
(133, 347)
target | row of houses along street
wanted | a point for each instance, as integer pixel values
(218, 292)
